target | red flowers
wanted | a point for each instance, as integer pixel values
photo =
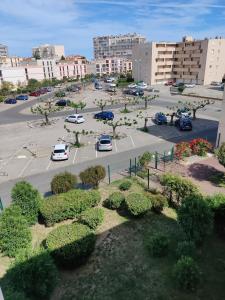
(197, 146)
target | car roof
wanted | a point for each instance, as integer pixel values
(105, 137)
(60, 146)
(74, 115)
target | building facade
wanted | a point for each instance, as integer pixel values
(48, 51)
(109, 66)
(3, 50)
(189, 61)
(10, 61)
(116, 45)
(221, 128)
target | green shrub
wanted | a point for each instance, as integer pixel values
(157, 245)
(67, 205)
(92, 217)
(196, 218)
(115, 200)
(71, 244)
(142, 173)
(186, 274)
(33, 274)
(125, 185)
(28, 199)
(158, 202)
(15, 235)
(145, 159)
(186, 248)
(93, 175)
(63, 182)
(137, 204)
(220, 153)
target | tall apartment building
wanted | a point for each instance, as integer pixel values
(48, 51)
(116, 45)
(195, 61)
(3, 50)
(109, 66)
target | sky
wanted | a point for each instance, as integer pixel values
(28, 23)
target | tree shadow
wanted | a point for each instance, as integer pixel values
(204, 172)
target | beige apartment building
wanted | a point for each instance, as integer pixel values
(116, 45)
(48, 51)
(189, 61)
(221, 128)
(109, 66)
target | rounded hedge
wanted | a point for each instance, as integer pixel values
(158, 202)
(125, 185)
(63, 182)
(158, 245)
(92, 217)
(15, 234)
(93, 175)
(28, 199)
(137, 204)
(186, 248)
(70, 245)
(186, 274)
(115, 200)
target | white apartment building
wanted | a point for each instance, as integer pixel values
(221, 128)
(3, 50)
(74, 66)
(109, 66)
(48, 51)
(116, 45)
(189, 61)
(10, 61)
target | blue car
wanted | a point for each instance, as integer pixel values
(184, 123)
(104, 115)
(160, 118)
(10, 101)
(22, 97)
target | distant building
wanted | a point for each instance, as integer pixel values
(221, 128)
(3, 50)
(189, 61)
(10, 61)
(116, 45)
(48, 51)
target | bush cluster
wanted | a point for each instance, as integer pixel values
(186, 248)
(158, 202)
(217, 204)
(63, 182)
(15, 235)
(68, 205)
(125, 185)
(197, 146)
(220, 153)
(115, 200)
(93, 175)
(183, 150)
(137, 204)
(70, 245)
(186, 274)
(33, 275)
(145, 159)
(28, 199)
(158, 245)
(92, 217)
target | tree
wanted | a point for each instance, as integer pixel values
(118, 123)
(195, 105)
(45, 110)
(101, 103)
(144, 115)
(63, 182)
(195, 217)
(128, 101)
(76, 134)
(80, 105)
(6, 88)
(148, 99)
(220, 153)
(172, 113)
(62, 57)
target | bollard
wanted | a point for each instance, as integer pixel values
(148, 179)
(130, 167)
(1, 205)
(109, 174)
(156, 160)
(135, 166)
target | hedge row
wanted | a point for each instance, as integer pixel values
(68, 205)
(92, 217)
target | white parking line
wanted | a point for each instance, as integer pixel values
(96, 150)
(49, 164)
(115, 145)
(132, 141)
(75, 154)
(26, 165)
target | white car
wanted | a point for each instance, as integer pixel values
(189, 85)
(60, 152)
(132, 86)
(216, 83)
(142, 85)
(76, 118)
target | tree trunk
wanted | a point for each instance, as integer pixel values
(171, 119)
(145, 125)
(46, 119)
(76, 110)
(146, 103)
(114, 132)
(77, 142)
(125, 106)
(194, 114)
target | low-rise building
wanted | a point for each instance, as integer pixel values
(3, 50)
(48, 51)
(109, 66)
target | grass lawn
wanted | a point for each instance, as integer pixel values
(218, 179)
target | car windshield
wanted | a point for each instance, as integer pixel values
(105, 142)
(80, 117)
(59, 151)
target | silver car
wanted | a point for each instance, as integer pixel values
(104, 143)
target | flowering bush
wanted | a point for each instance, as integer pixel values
(200, 146)
(183, 149)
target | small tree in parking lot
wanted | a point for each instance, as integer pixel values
(80, 105)
(101, 104)
(77, 134)
(45, 110)
(172, 113)
(194, 106)
(148, 99)
(128, 101)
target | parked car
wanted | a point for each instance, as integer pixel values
(104, 143)
(215, 83)
(22, 97)
(98, 86)
(10, 101)
(170, 82)
(63, 102)
(60, 152)
(184, 123)
(134, 92)
(132, 86)
(76, 118)
(35, 94)
(104, 115)
(178, 84)
(189, 85)
(160, 118)
(183, 112)
(43, 91)
(142, 85)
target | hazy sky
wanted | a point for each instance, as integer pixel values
(28, 23)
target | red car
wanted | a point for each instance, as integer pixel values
(170, 82)
(35, 94)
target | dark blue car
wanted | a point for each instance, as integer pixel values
(104, 115)
(184, 123)
(22, 97)
(63, 102)
(10, 101)
(160, 118)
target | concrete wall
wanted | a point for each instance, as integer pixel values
(142, 63)
(221, 129)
